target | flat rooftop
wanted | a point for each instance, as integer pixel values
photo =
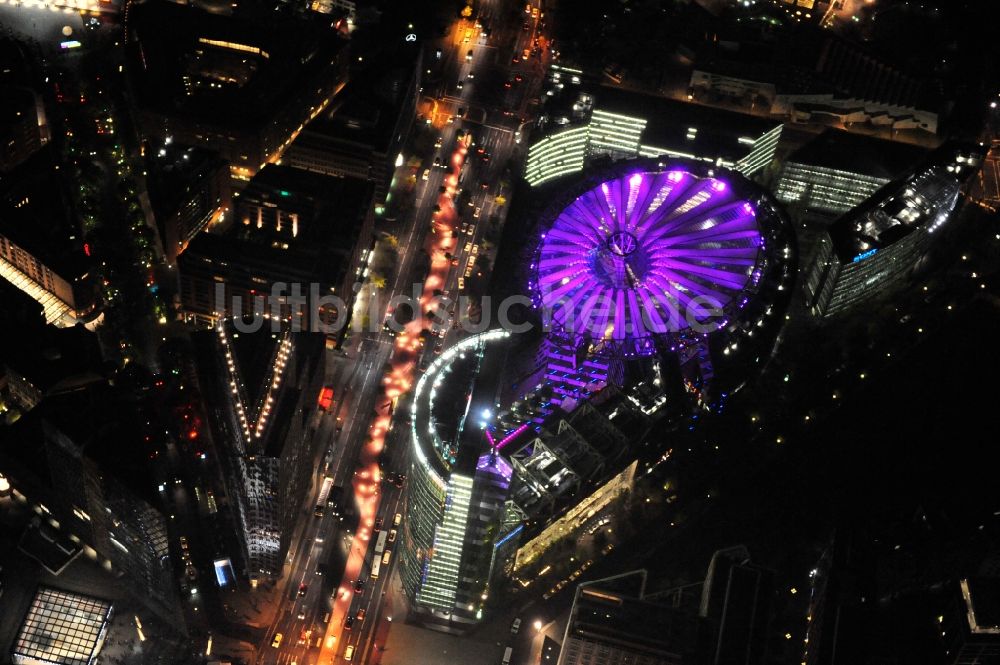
(34, 215)
(333, 214)
(220, 69)
(101, 420)
(62, 627)
(623, 622)
(857, 153)
(367, 110)
(982, 600)
(718, 132)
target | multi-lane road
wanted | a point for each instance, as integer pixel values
(488, 110)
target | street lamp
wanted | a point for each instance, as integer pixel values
(538, 626)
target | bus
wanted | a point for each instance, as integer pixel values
(376, 567)
(380, 543)
(506, 656)
(324, 492)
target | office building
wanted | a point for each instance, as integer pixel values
(361, 135)
(842, 622)
(582, 121)
(77, 460)
(42, 251)
(189, 189)
(736, 603)
(260, 388)
(21, 130)
(837, 171)
(970, 626)
(877, 245)
(239, 86)
(611, 624)
(456, 496)
(813, 75)
(303, 234)
(40, 360)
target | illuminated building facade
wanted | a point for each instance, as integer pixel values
(262, 385)
(879, 244)
(625, 255)
(837, 171)
(580, 124)
(970, 625)
(42, 251)
(452, 543)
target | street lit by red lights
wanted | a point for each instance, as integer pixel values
(398, 381)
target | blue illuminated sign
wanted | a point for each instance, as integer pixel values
(863, 255)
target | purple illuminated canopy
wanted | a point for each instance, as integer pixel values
(647, 253)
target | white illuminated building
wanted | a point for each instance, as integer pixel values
(264, 378)
(455, 499)
(879, 244)
(581, 124)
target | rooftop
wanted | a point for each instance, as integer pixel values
(31, 193)
(178, 172)
(367, 110)
(51, 357)
(332, 211)
(982, 603)
(62, 627)
(857, 153)
(924, 199)
(622, 621)
(223, 69)
(809, 60)
(717, 132)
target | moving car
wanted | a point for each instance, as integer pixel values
(349, 652)
(276, 642)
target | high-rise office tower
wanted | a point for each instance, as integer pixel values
(736, 601)
(611, 624)
(261, 387)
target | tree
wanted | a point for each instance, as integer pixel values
(377, 280)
